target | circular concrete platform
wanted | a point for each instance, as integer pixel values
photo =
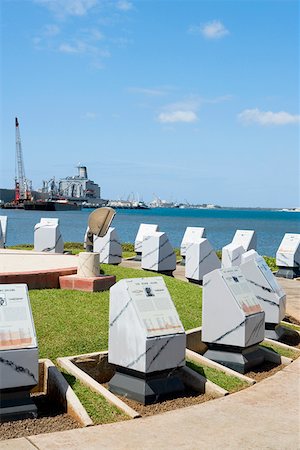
(37, 270)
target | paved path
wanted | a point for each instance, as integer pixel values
(291, 287)
(292, 290)
(264, 416)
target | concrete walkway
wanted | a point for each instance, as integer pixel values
(292, 290)
(264, 416)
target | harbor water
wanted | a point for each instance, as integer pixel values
(220, 224)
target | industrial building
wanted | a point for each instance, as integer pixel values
(79, 186)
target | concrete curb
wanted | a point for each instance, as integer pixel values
(52, 382)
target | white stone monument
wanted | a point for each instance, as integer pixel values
(109, 247)
(233, 322)
(231, 255)
(145, 229)
(47, 236)
(158, 254)
(245, 238)
(3, 230)
(267, 290)
(192, 235)
(146, 340)
(288, 256)
(18, 353)
(200, 259)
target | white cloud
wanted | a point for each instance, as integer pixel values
(90, 115)
(210, 30)
(51, 30)
(266, 118)
(191, 103)
(124, 5)
(62, 8)
(177, 116)
(152, 92)
(92, 34)
(81, 47)
(187, 109)
(68, 48)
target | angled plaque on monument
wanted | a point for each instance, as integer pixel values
(288, 256)
(233, 322)
(192, 235)
(109, 247)
(145, 229)
(47, 236)
(267, 290)
(231, 255)
(146, 339)
(18, 353)
(200, 259)
(245, 238)
(158, 254)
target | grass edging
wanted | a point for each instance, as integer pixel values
(271, 355)
(229, 383)
(67, 364)
(199, 359)
(56, 386)
(200, 383)
(284, 350)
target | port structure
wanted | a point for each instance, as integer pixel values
(22, 185)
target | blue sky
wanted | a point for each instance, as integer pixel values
(188, 100)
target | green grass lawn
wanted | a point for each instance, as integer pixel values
(289, 353)
(98, 408)
(228, 382)
(292, 326)
(72, 322)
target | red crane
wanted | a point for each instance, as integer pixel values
(22, 185)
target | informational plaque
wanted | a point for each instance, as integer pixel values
(289, 243)
(265, 270)
(241, 291)
(154, 306)
(16, 321)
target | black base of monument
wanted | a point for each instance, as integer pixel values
(239, 359)
(288, 272)
(145, 388)
(16, 405)
(280, 333)
(138, 257)
(169, 273)
(199, 282)
(275, 332)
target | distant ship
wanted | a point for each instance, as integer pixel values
(51, 205)
(297, 209)
(127, 204)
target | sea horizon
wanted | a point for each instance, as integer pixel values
(220, 224)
